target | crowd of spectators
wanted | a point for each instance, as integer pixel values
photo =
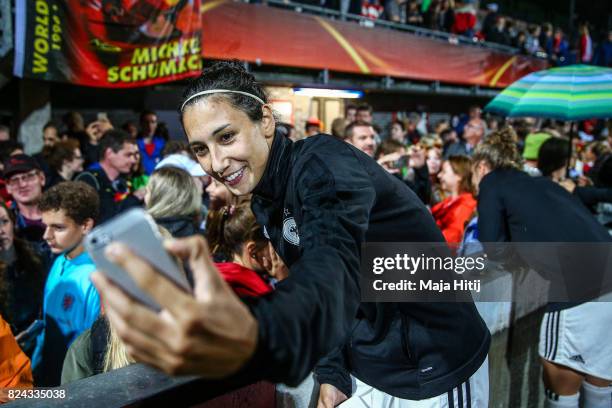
(87, 174)
(433, 158)
(51, 325)
(484, 21)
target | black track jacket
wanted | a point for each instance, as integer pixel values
(515, 207)
(318, 201)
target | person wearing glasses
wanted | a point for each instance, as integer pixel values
(24, 182)
(473, 134)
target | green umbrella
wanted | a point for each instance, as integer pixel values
(572, 93)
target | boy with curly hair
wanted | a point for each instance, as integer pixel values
(71, 303)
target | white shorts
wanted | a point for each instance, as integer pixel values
(579, 338)
(473, 393)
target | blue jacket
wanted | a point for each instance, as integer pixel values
(71, 304)
(149, 162)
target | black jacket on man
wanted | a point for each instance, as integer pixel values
(319, 200)
(115, 196)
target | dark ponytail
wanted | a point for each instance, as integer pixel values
(230, 75)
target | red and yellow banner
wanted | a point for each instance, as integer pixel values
(258, 33)
(130, 43)
(108, 43)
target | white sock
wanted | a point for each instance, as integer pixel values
(561, 401)
(596, 397)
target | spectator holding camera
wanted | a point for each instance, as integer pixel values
(391, 154)
(90, 143)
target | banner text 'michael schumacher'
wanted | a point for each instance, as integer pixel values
(168, 59)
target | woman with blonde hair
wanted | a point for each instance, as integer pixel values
(96, 351)
(174, 200)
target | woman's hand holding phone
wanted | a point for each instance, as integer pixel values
(210, 334)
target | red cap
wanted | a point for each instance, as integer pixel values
(312, 121)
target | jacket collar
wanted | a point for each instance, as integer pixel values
(273, 183)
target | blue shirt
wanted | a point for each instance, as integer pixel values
(150, 161)
(71, 304)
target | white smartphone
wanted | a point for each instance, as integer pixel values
(138, 231)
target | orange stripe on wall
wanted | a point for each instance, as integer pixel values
(501, 71)
(209, 5)
(343, 42)
(372, 58)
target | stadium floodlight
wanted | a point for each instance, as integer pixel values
(328, 93)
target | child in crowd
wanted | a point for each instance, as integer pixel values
(71, 303)
(455, 211)
(234, 235)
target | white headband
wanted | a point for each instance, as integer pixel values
(213, 91)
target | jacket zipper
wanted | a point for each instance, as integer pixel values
(406, 337)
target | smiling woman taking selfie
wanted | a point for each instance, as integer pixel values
(317, 200)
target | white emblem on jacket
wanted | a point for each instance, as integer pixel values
(290, 231)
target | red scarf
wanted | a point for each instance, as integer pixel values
(245, 282)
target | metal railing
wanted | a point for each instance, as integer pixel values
(136, 385)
